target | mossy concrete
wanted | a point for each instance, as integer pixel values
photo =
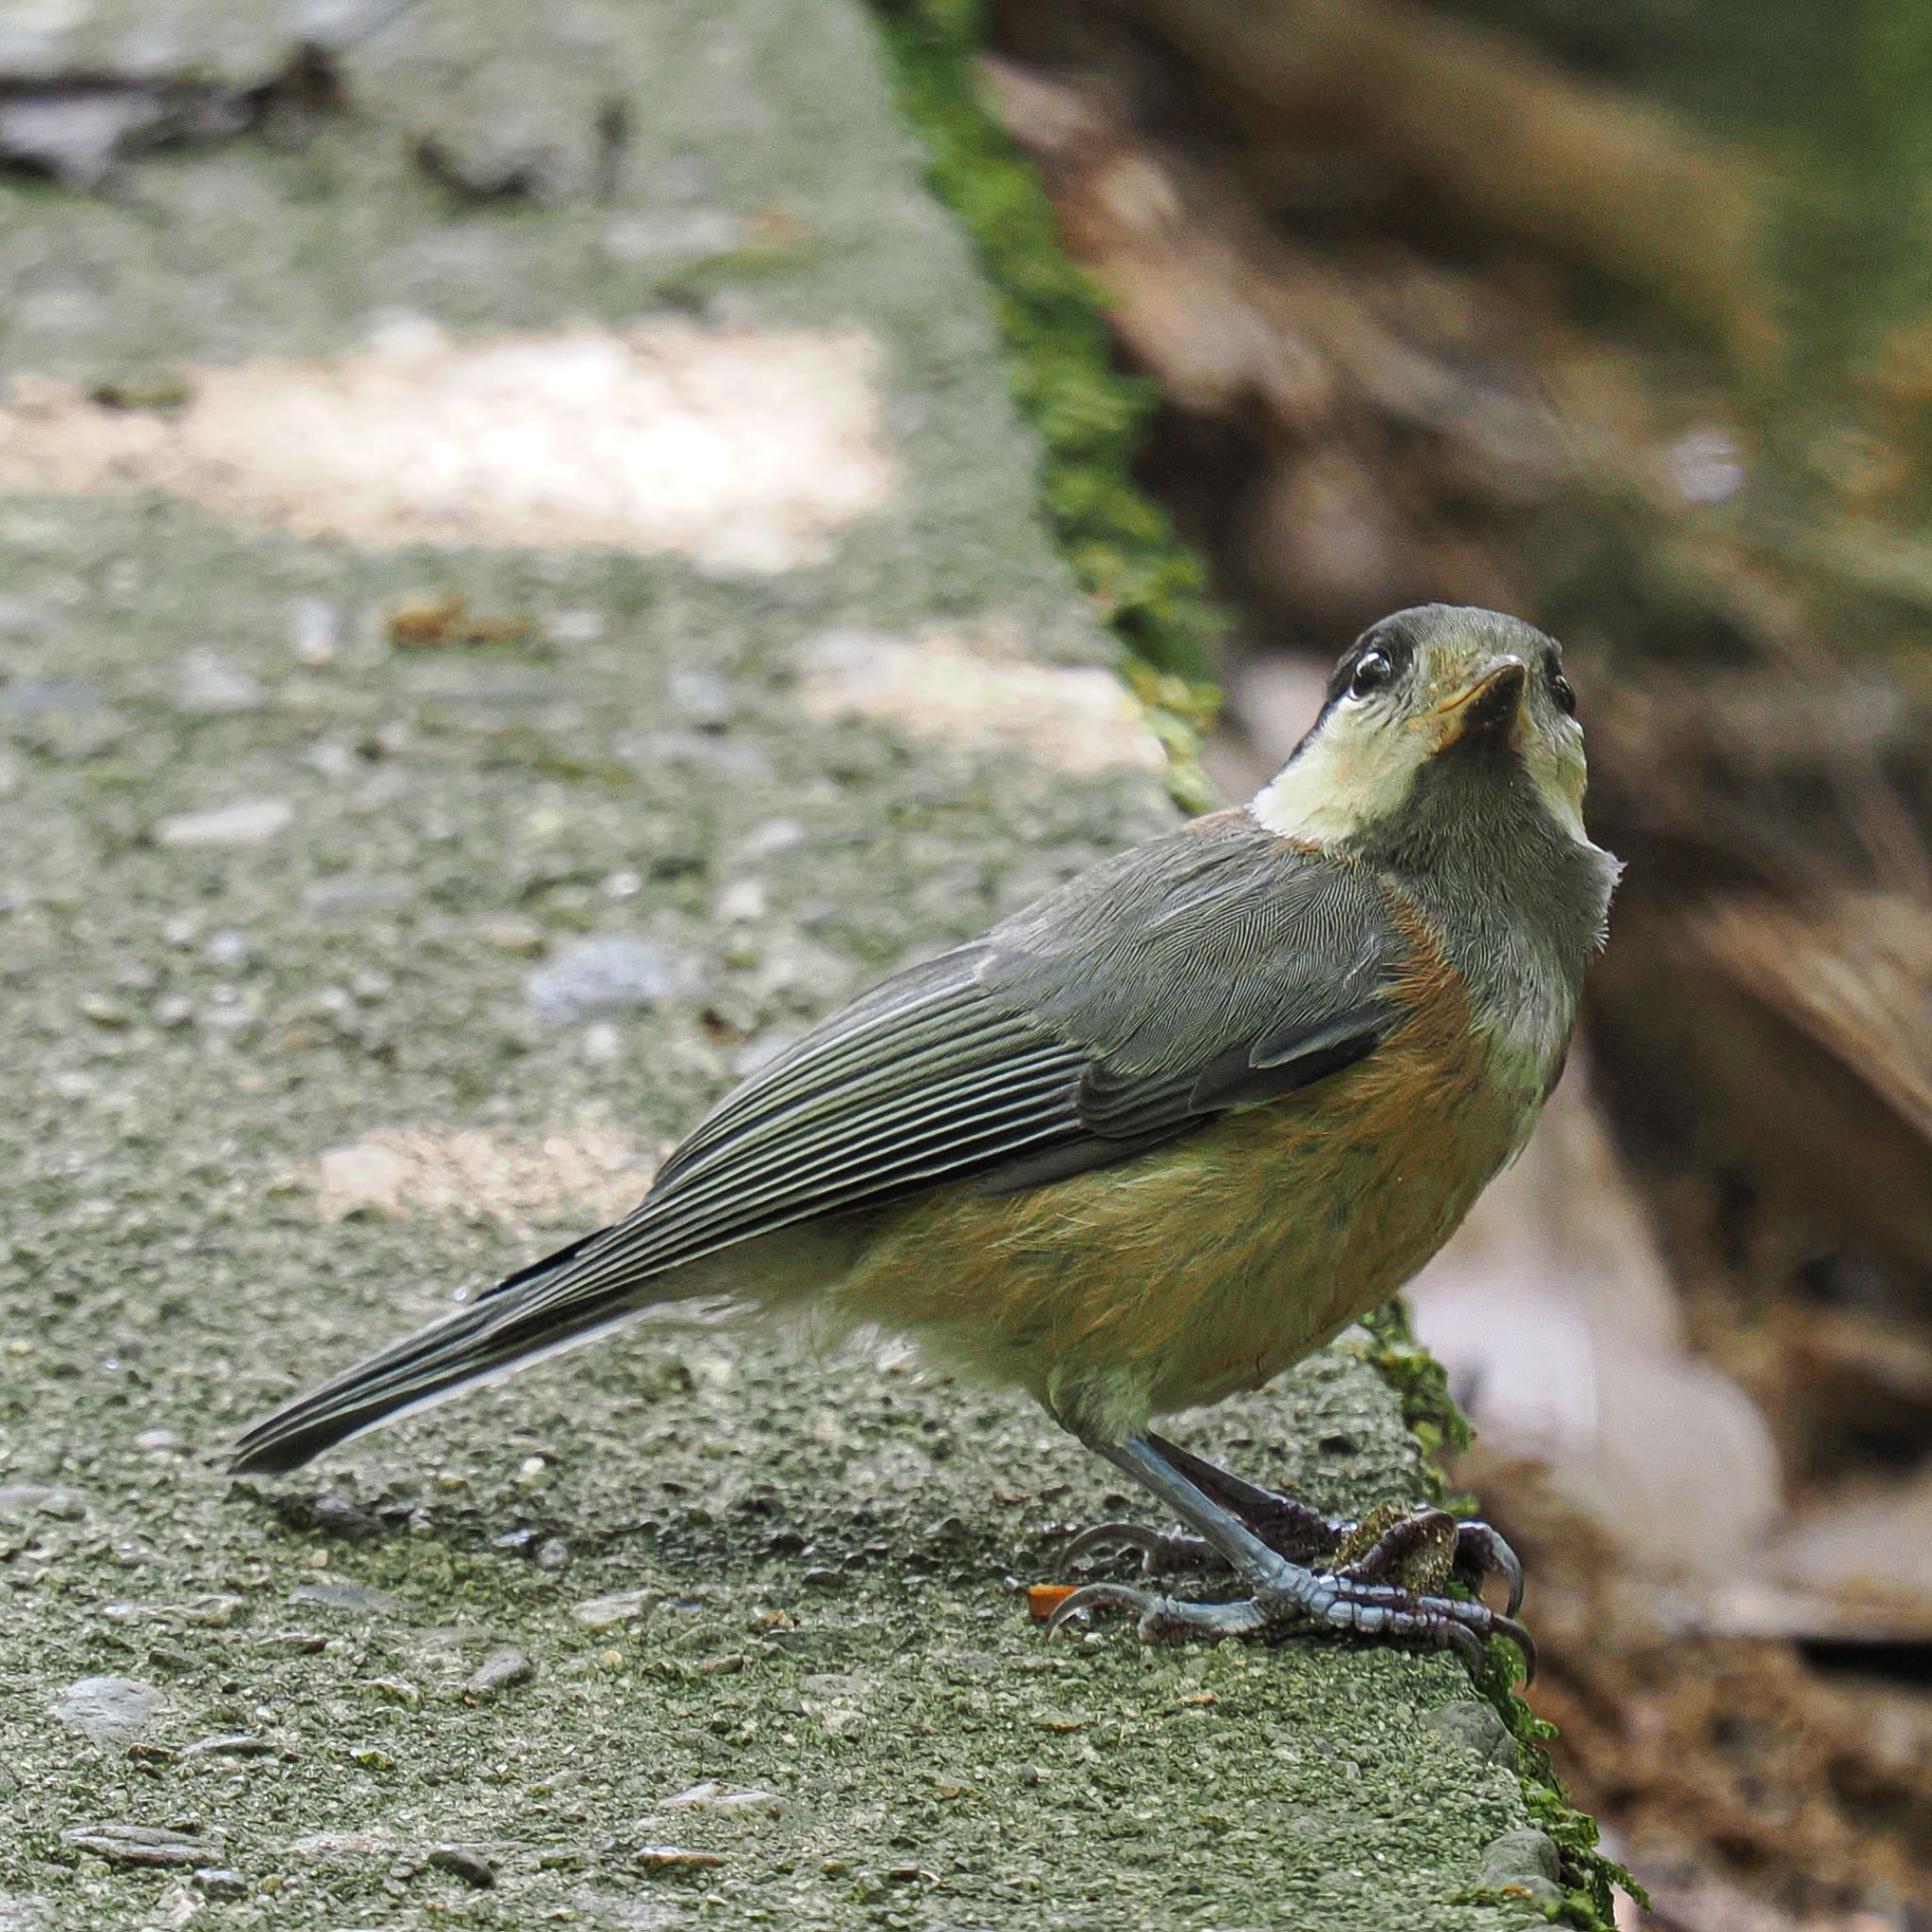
(815, 1562)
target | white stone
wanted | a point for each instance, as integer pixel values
(248, 821)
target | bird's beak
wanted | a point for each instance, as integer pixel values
(1489, 707)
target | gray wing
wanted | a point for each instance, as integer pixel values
(1212, 968)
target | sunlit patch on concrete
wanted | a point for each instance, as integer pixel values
(978, 691)
(744, 450)
(577, 1178)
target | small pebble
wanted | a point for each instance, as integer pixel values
(41, 697)
(348, 895)
(602, 1045)
(704, 697)
(500, 1671)
(231, 1744)
(209, 687)
(172, 1011)
(1706, 466)
(604, 976)
(607, 1612)
(581, 627)
(346, 1596)
(110, 1710)
(218, 1881)
(248, 821)
(512, 933)
(332, 758)
(1519, 1854)
(713, 1796)
(772, 836)
(229, 948)
(465, 1865)
(314, 632)
(228, 1011)
(21, 619)
(1475, 1725)
(142, 1845)
(675, 1858)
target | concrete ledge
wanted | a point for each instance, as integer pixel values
(379, 895)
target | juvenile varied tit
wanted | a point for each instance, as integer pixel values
(1159, 1135)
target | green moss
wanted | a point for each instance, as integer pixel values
(1427, 1407)
(1423, 1388)
(1091, 416)
(1588, 1875)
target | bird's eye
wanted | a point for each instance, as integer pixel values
(1373, 670)
(1561, 690)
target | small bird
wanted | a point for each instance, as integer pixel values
(1161, 1134)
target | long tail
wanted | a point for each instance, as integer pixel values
(498, 1332)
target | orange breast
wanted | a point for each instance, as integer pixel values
(1210, 1266)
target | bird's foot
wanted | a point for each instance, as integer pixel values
(1383, 1577)
(1395, 1545)
(1391, 1544)
(1304, 1600)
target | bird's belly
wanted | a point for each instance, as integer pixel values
(1208, 1267)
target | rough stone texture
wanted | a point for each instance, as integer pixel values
(689, 1626)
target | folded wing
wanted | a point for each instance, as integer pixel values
(1215, 969)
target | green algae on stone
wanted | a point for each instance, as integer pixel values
(1089, 415)
(1443, 1431)
(1422, 1385)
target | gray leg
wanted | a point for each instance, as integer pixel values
(1386, 1552)
(1286, 1595)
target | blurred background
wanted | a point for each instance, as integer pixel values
(1617, 316)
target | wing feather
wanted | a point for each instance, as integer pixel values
(1215, 969)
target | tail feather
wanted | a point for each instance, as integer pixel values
(491, 1337)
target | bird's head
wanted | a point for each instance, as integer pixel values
(1444, 691)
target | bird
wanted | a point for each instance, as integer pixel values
(1157, 1137)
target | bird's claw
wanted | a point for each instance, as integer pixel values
(1166, 1619)
(1161, 1555)
(1382, 1611)
(1424, 1548)
(1481, 1553)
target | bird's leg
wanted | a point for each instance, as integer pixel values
(1389, 1546)
(1286, 1595)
